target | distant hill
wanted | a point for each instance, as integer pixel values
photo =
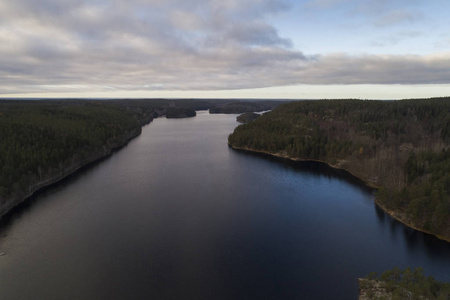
(401, 147)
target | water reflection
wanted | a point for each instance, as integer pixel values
(313, 168)
(423, 250)
(41, 196)
(381, 215)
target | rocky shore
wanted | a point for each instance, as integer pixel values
(372, 289)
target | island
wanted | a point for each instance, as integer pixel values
(401, 148)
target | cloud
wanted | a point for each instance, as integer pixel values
(150, 43)
(71, 45)
(380, 69)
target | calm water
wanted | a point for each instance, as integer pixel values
(178, 215)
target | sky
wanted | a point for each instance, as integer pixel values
(285, 49)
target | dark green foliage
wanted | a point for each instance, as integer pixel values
(247, 117)
(401, 146)
(173, 112)
(413, 168)
(41, 139)
(239, 107)
(408, 284)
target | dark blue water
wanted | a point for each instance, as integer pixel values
(176, 214)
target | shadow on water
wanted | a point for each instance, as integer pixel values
(27, 204)
(433, 246)
(313, 168)
(381, 215)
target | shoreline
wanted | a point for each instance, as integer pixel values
(400, 218)
(395, 215)
(279, 155)
(10, 204)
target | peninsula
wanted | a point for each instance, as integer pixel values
(400, 147)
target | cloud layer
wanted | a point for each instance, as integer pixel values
(56, 45)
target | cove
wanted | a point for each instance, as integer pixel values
(177, 214)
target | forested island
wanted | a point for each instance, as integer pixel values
(43, 141)
(400, 147)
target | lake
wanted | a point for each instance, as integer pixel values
(177, 214)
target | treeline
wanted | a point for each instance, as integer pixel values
(403, 284)
(176, 108)
(399, 146)
(238, 107)
(41, 139)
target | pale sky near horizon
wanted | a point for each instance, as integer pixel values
(368, 49)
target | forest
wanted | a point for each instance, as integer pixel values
(400, 147)
(247, 117)
(41, 141)
(238, 107)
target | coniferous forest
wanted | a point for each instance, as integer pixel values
(44, 141)
(400, 147)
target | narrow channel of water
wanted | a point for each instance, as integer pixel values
(176, 214)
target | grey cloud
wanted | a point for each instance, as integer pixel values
(257, 33)
(231, 70)
(380, 69)
(136, 44)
